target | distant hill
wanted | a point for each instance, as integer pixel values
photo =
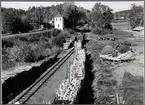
(124, 13)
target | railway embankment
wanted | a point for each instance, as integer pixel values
(15, 85)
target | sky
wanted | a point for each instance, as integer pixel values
(115, 5)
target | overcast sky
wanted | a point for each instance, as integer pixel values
(116, 6)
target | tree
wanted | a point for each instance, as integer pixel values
(9, 17)
(72, 15)
(101, 18)
(16, 25)
(136, 16)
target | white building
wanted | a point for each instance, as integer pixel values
(59, 22)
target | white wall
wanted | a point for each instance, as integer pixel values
(59, 23)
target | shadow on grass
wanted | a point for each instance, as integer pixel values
(15, 85)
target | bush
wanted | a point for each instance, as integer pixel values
(6, 63)
(34, 37)
(54, 32)
(28, 53)
(55, 50)
(46, 52)
(60, 39)
(70, 31)
(7, 43)
(31, 48)
(35, 54)
(124, 47)
(66, 34)
(14, 54)
(23, 53)
(98, 30)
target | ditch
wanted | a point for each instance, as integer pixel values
(85, 96)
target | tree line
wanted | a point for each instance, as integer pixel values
(17, 20)
(99, 18)
(14, 20)
(134, 15)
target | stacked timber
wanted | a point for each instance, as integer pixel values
(69, 88)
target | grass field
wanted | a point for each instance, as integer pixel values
(123, 25)
(108, 75)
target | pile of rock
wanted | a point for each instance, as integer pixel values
(70, 87)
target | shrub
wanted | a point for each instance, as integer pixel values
(6, 63)
(55, 50)
(18, 42)
(7, 43)
(31, 48)
(70, 31)
(66, 34)
(54, 32)
(14, 53)
(59, 40)
(23, 53)
(34, 54)
(33, 37)
(124, 47)
(46, 52)
(98, 30)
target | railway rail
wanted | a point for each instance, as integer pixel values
(23, 97)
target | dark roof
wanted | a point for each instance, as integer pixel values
(58, 15)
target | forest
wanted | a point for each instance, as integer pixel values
(20, 21)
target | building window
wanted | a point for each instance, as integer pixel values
(60, 19)
(58, 25)
(56, 19)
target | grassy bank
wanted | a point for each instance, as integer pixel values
(31, 48)
(104, 83)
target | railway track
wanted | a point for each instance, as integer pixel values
(23, 97)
